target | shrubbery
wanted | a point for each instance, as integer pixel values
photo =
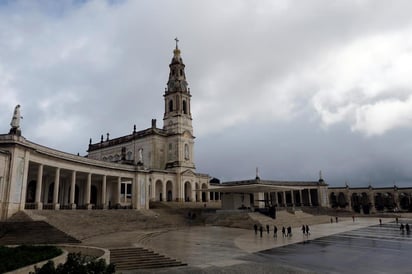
(16, 257)
(77, 264)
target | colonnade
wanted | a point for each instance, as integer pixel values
(288, 198)
(53, 187)
(368, 200)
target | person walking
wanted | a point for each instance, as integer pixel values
(303, 229)
(289, 231)
(267, 228)
(275, 231)
(283, 232)
(307, 230)
(261, 231)
(255, 227)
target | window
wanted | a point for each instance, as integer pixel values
(186, 152)
(184, 107)
(171, 105)
(125, 191)
(129, 155)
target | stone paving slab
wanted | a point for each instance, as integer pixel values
(211, 247)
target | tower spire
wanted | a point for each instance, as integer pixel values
(177, 41)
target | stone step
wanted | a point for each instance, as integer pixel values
(140, 258)
(32, 232)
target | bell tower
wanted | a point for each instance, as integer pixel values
(177, 120)
(177, 117)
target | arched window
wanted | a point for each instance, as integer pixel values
(129, 155)
(186, 152)
(184, 107)
(171, 105)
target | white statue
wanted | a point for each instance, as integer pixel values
(15, 121)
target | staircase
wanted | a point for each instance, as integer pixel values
(140, 258)
(285, 218)
(32, 232)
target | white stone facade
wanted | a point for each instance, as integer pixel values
(154, 164)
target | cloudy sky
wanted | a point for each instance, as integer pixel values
(291, 87)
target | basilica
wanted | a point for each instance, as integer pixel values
(153, 164)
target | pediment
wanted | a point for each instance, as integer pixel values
(188, 172)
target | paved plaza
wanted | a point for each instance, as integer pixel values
(212, 249)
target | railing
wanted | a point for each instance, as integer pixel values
(29, 206)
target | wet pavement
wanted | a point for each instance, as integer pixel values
(376, 249)
(362, 246)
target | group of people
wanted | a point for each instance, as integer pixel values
(286, 231)
(305, 230)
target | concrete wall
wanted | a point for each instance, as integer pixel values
(233, 201)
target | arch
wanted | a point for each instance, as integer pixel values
(388, 201)
(184, 107)
(404, 201)
(116, 157)
(379, 205)
(342, 200)
(365, 203)
(333, 200)
(93, 195)
(204, 186)
(31, 191)
(356, 202)
(158, 190)
(169, 191)
(170, 105)
(188, 191)
(110, 158)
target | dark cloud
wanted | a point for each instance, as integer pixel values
(290, 87)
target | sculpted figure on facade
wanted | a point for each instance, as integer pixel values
(15, 121)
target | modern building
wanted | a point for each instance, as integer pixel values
(154, 164)
(257, 193)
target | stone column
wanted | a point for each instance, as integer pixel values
(349, 200)
(164, 194)
(153, 191)
(135, 203)
(207, 194)
(275, 200)
(284, 198)
(88, 189)
(72, 190)
(56, 204)
(310, 197)
(104, 185)
(301, 198)
(371, 196)
(39, 204)
(193, 193)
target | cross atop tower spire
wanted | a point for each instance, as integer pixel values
(177, 41)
